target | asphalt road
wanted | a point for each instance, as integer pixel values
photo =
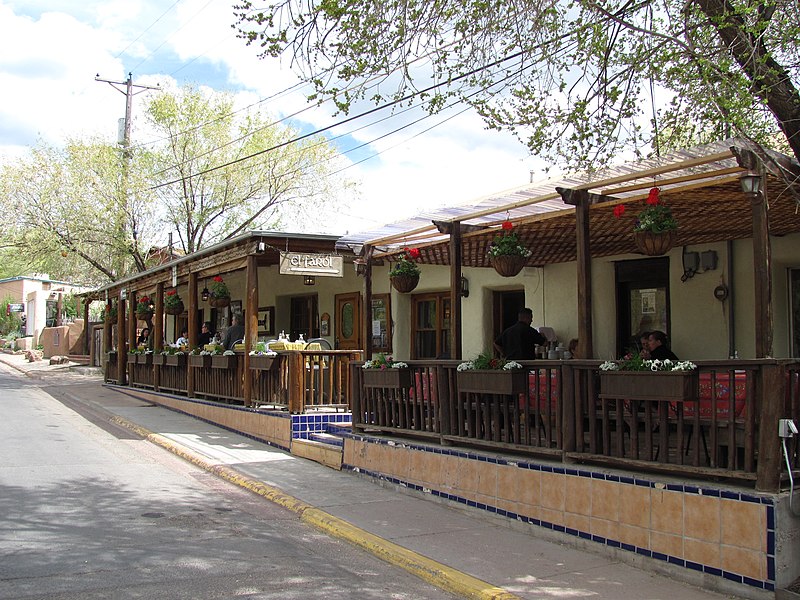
(94, 512)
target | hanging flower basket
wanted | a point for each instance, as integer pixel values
(508, 265)
(144, 310)
(220, 294)
(404, 283)
(654, 244)
(219, 302)
(173, 305)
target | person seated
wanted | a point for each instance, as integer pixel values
(644, 345)
(183, 340)
(573, 347)
(519, 341)
(657, 345)
(235, 332)
(205, 334)
(143, 337)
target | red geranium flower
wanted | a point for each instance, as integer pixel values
(144, 300)
(218, 278)
(619, 210)
(413, 253)
(652, 197)
(172, 292)
(507, 225)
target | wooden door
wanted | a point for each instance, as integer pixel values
(348, 322)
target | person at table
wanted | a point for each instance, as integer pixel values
(235, 332)
(657, 345)
(644, 345)
(183, 340)
(143, 337)
(205, 336)
(519, 341)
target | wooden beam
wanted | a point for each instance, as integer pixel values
(251, 327)
(455, 292)
(584, 258)
(762, 272)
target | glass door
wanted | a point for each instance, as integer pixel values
(642, 300)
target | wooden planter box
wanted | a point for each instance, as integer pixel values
(132, 358)
(671, 386)
(220, 361)
(387, 378)
(158, 358)
(144, 359)
(175, 360)
(263, 363)
(199, 360)
(111, 357)
(493, 381)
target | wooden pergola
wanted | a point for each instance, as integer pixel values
(572, 219)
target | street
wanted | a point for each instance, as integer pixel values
(95, 512)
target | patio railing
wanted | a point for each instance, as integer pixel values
(558, 410)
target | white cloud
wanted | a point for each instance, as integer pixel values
(51, 51)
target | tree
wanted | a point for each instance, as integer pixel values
(66, 210)
(212, 189)
(92, 205)
(575, 79)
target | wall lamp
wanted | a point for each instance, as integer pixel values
(309, 280)
(751, 182)
(464, 291)
(205, 294)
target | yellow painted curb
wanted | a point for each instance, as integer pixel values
(429, 570)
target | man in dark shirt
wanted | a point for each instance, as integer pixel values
(519, 341)
(658, 346)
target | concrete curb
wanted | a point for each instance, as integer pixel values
(429, 570)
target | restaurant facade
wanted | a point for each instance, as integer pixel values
(693, 482)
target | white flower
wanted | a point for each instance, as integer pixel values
(655, 365)
(205, 353)
(609, 366)
(229, 353)
(511, 365)
(466, 366)
(399, 365)
(367, 365)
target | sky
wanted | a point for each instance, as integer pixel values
(51, 51)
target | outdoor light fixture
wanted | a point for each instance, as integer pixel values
(309, 280)
(751, 182)
(464, 287)
(205, 294)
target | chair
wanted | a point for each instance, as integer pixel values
(323, 343)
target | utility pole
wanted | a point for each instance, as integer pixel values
(129, 92)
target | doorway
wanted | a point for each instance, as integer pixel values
(303, 317)
(348, 322)
(505, 311)
(642, 300)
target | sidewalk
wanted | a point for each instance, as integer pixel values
(462, 551)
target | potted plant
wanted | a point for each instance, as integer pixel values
(220, 294)
(223, 360)
(655, 226)
(144, 308)
(486, 374)
(110, 313)
(173, 305)
(635, 378)
(404, 275)
(263, 360)
(385, 372)
(506, 254)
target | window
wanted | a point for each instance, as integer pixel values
(380, 320)
(430, 335)
(303, 317)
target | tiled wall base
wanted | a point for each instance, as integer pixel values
(706, 529)
(305, 426)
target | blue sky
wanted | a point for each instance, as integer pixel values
(50, 51)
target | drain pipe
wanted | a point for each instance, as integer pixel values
(732, 352)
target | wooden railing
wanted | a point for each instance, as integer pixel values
(560, 411)
(296, 380)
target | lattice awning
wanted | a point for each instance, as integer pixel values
(701, 186)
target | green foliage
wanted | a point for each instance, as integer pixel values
(406, 267)
(572, 79)
(9, 324)
(507, 244)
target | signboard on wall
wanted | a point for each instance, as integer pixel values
(321, 265)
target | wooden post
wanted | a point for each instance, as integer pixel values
(771, 395)
(368, 347)
(87, 332)
(108, 336)
(59, 309)
(192, 308)
(581, 199)
(251, 326)
(761, 271)
(122, 341)
(568, 409)
(158, 336)
(296, 392)
(455, 291)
